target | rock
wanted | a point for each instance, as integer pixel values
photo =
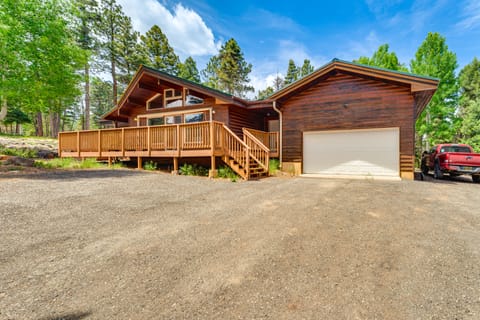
(19, 161)
(46, 154)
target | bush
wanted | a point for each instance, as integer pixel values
(273, 166)
(150, 166)
(193, 170)
(227, 172)
(22, 152)
(69, 163)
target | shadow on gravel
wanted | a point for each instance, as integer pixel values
(75, 174)
(70, 316)
(446, 179)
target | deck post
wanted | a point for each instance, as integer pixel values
(213, 171)
(99, 143)
(175, 166)
(109, 162)
(139, 163)
(78, 143)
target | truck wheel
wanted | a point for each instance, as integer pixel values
(424, 168)
(437, 173)
(476, 178)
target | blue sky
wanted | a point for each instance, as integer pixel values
(271, 32)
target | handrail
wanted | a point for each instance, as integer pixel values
(259, 152)
(270, 139)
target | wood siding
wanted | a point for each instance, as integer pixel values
(344, 102)
(241, 118)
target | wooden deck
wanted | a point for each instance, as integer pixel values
(247, 157)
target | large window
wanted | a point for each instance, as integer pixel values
(173, 119)
(194, 117)
(156, 121)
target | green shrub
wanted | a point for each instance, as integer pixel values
(21, 152)
(273, 166)
(69, 163)
(193, 170)
(227, 172)
(150, 166)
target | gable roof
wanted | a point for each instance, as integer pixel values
(144, 71)
(422, 87)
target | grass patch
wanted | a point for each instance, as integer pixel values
(273, 166)
(21, 152)
(150, 166)
(228, 173)
(69, 163)
(193, 170)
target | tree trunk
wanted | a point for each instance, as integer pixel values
(17, 128)
(54, 124)
(87, 96)
(3, 110)
(38, 124)
(46, 122)
(114, 80)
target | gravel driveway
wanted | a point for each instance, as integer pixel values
(125, 244)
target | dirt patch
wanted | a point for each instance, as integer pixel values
(126, 244)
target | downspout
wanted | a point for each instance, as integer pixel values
(280, 117)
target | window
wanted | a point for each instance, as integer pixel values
(194, 117)
(192, 100)
(173, 98)
(156, 121)
(173, 119)
(155, 102)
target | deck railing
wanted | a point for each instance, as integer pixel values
(179, 140)
(258, 151)
(269, 139)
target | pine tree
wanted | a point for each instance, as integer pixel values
(438, 123)
(267, 92)
(233, 70)
(383, 58)
(87, 19)
(469, 80)
(101, 100)
(292, 73)
(188, 70)
(160, 54)
(130, 54)
(306, 69)
(228, 71)
(278, 83)
(110, 30)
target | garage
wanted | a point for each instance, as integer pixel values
(370, 152)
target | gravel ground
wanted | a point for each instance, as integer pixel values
(124, 244)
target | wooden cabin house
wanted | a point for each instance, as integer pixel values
(343, 119)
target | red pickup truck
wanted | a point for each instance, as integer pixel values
(454, 159)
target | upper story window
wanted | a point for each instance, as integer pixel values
(173, 98)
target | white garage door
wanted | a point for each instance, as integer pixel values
(354, 152)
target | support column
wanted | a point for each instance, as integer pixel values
(175, 165)
(139, 163)
(109, 162)
(213, 171)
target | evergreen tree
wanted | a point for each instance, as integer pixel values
(267, 92)
(159, 53)
(438, 123)
(306, 69)
(469, 80)
(110, 31)
(188, 70)
(383, 58)
(86, 20)
(292, 73)
(278, 83)
(101, 98)
(210, 75)
(130, 52)
(233, 70)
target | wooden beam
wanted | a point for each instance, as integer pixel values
(175, 165)
(139, 163)
(147, 86)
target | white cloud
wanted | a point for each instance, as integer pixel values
(471, 15)
(365, 47)
(185, 29)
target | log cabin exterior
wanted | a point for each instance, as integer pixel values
(323, 118)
